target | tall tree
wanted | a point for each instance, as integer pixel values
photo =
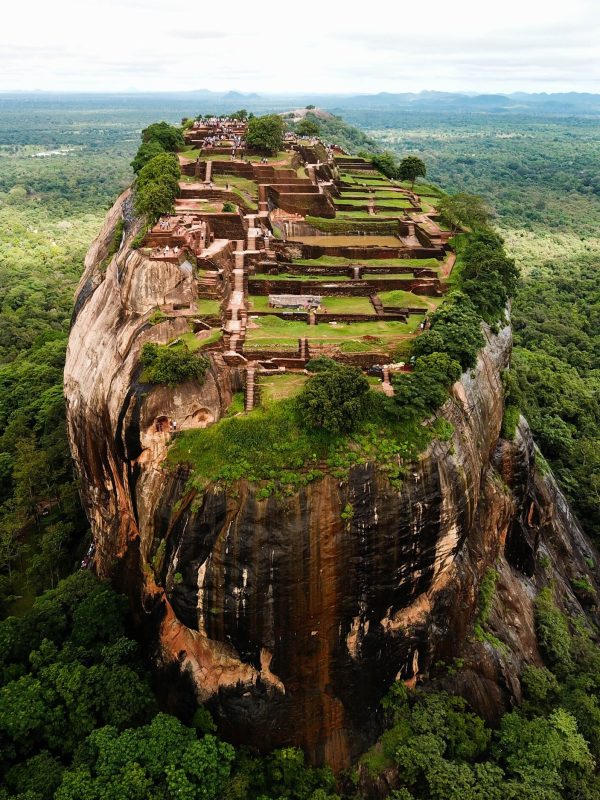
(464, 210)
(265, 134)
(411, 168)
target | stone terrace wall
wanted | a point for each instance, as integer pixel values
(358, 253)
(226, 226)
(345, 289)
(313, 203)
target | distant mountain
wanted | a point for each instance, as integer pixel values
(240, 96)
(563, 103)
(431, 101)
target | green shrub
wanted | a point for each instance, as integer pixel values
(553, 632)
(426, 389)
(202, 721)
(487, 589)
(510, 420)
(170, 366)
(583, 589)
(487, 276)
(163, 167)
(321, 364)
(385, 163)
(455, 330)
(229, 208)
(334, 399)
(462, 210)
(115, 243)
(157, 316)
(539, 684)
(138, 239)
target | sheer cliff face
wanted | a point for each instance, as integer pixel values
(288, 618)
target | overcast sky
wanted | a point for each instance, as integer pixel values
(308, 46)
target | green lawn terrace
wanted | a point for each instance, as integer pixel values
(195, 195)
(329, 305)
(352, 280)
(380, 339)
(363, 238)
(283, 158)
(280, 385)
(360, 328)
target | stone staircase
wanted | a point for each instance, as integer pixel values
(251, 388)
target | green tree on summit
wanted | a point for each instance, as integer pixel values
(168, 136)
(146, 152)
(411, 168)
(386, 163)
(158, 138)
(157, 186)
(463, 209)
(307, 127)
(335, 399)
(265, 134)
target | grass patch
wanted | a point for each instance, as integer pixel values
(246, 189)
(387, 276)
(282, 155)
(215, 336)
(341, 226)
(398, 297)
(392, 203)
(348, 305)
(510, 420)
(188, 340)
(259, 302)
(379, 194)
(271, 332)
(356, 236)
(271, 448)
(280, 387)
(193, 152)
(209, 307)
(236, 406)
(426, 189)
(385, 215)
(354, 201)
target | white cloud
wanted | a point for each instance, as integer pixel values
(311, 46)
